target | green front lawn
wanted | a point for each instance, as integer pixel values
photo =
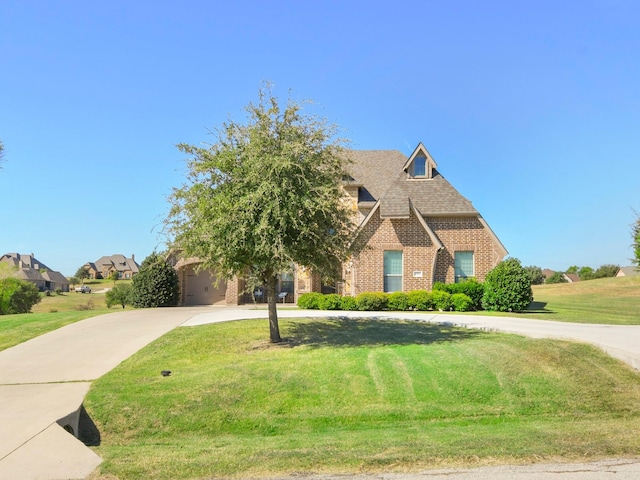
(613, 301)
(355, 396)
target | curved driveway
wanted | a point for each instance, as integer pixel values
(44, 381)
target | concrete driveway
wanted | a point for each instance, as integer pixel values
(43, 383)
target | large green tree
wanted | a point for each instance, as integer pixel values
(264, 197)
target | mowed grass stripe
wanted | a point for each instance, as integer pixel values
(354, 395)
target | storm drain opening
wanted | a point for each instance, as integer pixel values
(80, 425)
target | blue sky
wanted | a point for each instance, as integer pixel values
(530, 108)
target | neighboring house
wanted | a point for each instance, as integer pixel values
(32, 270)
(418, 229)
(571, 277)
(628, 271)
(105, 266)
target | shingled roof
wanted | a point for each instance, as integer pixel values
(381, 178)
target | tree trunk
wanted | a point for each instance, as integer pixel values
(274, 329)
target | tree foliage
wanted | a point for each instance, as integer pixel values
(635, 245)
(156, 284)
(557, 277)
(266, 195)
(17, 296)
(535, 275)
(606, 271)
(120, 294)
(507, 288)
(82, 273)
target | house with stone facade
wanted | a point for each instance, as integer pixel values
(418, 230)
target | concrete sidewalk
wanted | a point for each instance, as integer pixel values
(43, 381)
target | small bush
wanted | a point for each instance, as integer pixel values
(349, 303)
(58, 291)
(398, 301)
(441, 300)
(332, 301)
(87, 306)
(419, 300)
(372, 301)
(461, 302)
(310, 301)
(470, 287)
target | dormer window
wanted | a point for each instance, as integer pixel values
(420, 166)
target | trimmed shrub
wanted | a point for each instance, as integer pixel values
(332, 301)
(372, 301)
(507, 288)
(461, 302)
(419, 300)
(349, 303)
(156, 284)
(398, 301)
(470, 287)
(441, 300)
(310, 301)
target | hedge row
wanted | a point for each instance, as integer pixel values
(416, 300)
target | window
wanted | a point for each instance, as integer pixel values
(286, 282)
(463, 265)
(419, 167)
(393, 271)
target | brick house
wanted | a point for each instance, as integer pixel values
(418, 230)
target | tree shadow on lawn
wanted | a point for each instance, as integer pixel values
(356, 332)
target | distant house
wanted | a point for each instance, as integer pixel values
(628, 271)
(572, 277)
(32, 270)
(126, 268)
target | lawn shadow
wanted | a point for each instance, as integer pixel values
(355, 332)
(537, 307)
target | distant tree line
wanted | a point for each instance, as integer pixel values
(537, 276)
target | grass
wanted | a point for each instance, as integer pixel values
(613, 301)
(53, 312)
(353, 396)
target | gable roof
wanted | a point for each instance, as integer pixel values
(117, 261)
(23, 261)
(31, 269)
(385, 183)
(384, 179)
